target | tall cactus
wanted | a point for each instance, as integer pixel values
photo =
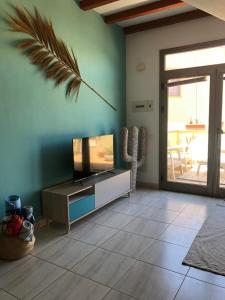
(133, 149)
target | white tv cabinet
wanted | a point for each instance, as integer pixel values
(68, 202)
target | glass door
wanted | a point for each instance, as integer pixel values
(192, 119)
(193, 133)
(187, 141)
(220, 166)
(188, 101)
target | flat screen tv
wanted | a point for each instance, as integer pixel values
(92, 155)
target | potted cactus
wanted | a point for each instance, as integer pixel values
(133, 149)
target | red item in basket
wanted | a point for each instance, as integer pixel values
(14, 225)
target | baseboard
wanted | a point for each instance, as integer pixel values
(148, 185)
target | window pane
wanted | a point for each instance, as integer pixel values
(222, 149)
(195, 58)
(187, 130)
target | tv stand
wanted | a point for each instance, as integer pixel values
(80, 181)
(111, 171)
(67, 202)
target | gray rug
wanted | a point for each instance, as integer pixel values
(207, 251)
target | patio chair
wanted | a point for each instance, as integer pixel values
(175, 161)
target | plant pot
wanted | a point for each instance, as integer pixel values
(195, 126)
(12, 248)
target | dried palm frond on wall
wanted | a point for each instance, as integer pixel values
(47, 51)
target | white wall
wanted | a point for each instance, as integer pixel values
(143, 47)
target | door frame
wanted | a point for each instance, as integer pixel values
(217, 190)
(215, 110)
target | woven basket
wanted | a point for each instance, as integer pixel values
(12, 248)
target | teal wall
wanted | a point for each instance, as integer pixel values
(37, 123)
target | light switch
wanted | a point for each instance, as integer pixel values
(142, 106)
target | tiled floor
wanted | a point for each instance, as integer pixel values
(132, 249)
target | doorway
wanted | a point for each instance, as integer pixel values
(192, 119)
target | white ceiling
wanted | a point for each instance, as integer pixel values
(120, 5)
(127, 4)
(213, 7)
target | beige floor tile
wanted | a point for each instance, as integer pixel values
(66, 252)
(138, 200)
(30, 278)
(158, 214)
(198, 209)
(179, 235)
(92, 233)
(189, 221)
(113, 219)
(193, 289)
(73, 287)
(146, 227)
(184, 197)
(6, 296)
(104, 267)
(128, 244)
(45, 236)
(207, 277)
(141, 217)
(145, 200)
(166, 203)
(6, 266)
(128, 208)
(144, 281)
(114, 295)
(166, 255)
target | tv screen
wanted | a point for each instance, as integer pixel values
(92, 155)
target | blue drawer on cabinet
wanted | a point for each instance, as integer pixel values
(81, 207)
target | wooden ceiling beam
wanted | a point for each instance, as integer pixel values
(143, 10)
(178, 18)
(91, 4)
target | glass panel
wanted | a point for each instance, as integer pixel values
(195, 58)
(222, 149)
(187, 130)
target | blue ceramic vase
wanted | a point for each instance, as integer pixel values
(13, 205)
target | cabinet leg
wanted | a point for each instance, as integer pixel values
(128, 194)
